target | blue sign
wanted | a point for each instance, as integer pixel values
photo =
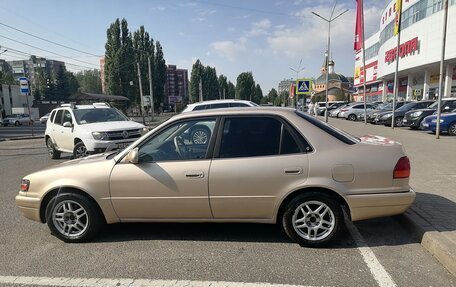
(24, 86)
(303, 86)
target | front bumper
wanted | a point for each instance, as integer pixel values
(97, 146)
(411, 122)
(365, 206)
(29, 206)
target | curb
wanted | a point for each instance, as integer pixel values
(441, 244)
(22, 138)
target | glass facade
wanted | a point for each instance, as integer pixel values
(372, 51)
(417, 12)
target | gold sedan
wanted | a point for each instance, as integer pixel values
(262, 165)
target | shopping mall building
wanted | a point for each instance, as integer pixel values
(419, 53)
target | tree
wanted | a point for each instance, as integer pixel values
(223, 86)
(272, 95)
(210, 84)
(144, 49)
(112, 59)
(72, 82)
(258, 96)
(159, 75)
(89, 81)
(231, 91)
(195, 77)
(282, 98)
(245, 86)
(127, 58)
(61, 85)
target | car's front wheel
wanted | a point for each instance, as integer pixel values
(398, 122)
(80, 150)
(16, 123)
(352, 117)
(53, 153)
(73, 218)
(312, 219)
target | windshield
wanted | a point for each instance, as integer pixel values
(434, 105)
(88, 116)
(406, 107)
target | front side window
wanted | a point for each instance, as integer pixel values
(187, 140)
(52, 116)
(67, 117)
(256, 136)
(58, 117)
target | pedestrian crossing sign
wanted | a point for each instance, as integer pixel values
(303, 86)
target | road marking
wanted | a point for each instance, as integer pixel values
(125, 282)
(380, 274)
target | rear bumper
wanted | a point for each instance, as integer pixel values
(365, 206)
(29, 206)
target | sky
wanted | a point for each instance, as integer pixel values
(264, 37)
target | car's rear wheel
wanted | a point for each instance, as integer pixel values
(200, 135)
(398, 122)
(352, 117)
(312, 219)
(73, 218)
(452, 129)
(53, 153)
(80, 150)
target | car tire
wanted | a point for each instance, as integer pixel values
(17, 123)
(73, 218)
(200, 135)
(398, 122)
(312, 219)
(53, 153)
(80, 150)
(352, 117)
(452, 129)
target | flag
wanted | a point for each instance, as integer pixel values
(397, 20)
(359, 26)
(292, 90)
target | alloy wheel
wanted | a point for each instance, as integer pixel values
(313, 220)
(50, 147)
(70, 218)
(81, 151)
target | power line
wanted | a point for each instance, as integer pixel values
(47, 51)
(49, 41)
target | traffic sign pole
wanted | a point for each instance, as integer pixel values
(25, 90)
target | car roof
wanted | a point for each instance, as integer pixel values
(237, 111)
(218, 102)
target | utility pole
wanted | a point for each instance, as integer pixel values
(201, 91)
(223, 93)
(439, 105)
(151, 90)
(141, 94)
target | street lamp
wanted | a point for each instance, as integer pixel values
(4, 51)
(298, 70)
(331, 18)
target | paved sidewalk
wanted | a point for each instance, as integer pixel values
(433, 215)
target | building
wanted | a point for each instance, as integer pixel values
(284, 85)
(10, 97)
(30, 68)
(419, 53)
(102, 75)
(176, 86)
(338, 84)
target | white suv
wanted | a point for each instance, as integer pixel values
(218, 104)
(88, 129)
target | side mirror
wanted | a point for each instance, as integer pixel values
(132, 156)
(67, 125)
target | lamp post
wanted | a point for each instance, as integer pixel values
(297, 71)
(331, 18)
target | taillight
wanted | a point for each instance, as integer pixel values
(402, 168)
(25, 184)
(343, 110)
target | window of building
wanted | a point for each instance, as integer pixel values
(372, 51)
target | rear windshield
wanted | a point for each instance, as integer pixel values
(335, 132)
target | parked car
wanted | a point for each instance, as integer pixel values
(447, 123)
(353, 112)
(261, 165)
(385, 117)
(218, 104)
(335, 112)
(414, 118)
(331, 106)
(87, 129)
(17, 119)
(44, 118)
(372, 116)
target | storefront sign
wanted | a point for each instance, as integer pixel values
(405, 49)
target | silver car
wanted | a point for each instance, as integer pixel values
(354, 111)
(17, 119)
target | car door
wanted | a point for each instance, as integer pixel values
(56, 130)
(257, 159)
(170, 181)
(66, 133)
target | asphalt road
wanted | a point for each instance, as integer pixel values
(22, 131)
(376, 252)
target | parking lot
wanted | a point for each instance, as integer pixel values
(379, 252)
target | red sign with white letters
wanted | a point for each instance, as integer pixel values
(405, 49)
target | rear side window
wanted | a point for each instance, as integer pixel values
(200, 107)
(219, 106)
(58, 117)
(256, 136)
(237, 105)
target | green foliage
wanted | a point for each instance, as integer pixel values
(6, 76)
(272, 95)
(282, 98)
(144, 48)
(264, 100)
(258, 96)
(61, 85)
(159, 75)
(112, 59)
(245, 86)
(210, 83)
(195, 77)
(223, 86)
(231, 91)
(89, 81)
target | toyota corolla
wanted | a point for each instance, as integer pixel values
(261, 165)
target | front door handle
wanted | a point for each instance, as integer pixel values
(293, 170)
(194, 174)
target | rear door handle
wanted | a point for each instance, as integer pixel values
(194, 174)
(293, 170)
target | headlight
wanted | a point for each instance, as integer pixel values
(435, 120)
(416, 114)
(387, 116)
(144, 131)
(100, 136)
